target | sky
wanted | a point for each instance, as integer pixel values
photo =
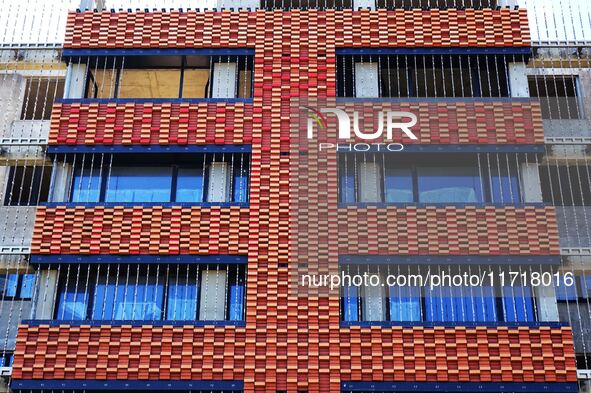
(43, 21)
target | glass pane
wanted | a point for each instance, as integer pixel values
(504, 182)
(449, 184)
(182, 300)
(405, 303)
(189, 185)
(139, 184)
(350, 303)
(196, 83)
(86, 186)
(104, 299)
(398, 185)
(149, 83)
(240, 186)
(236, 302)
(141, 301)
(518, 304)
(72, 304)
(138, 300)
(27, 286)
(11, 285)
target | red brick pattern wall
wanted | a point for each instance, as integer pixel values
(448, 231)
(401, 28)
(445, 122)
(410, 354)
(141, 230)
(289, 342)
(481, 353)
(151, 123)
(125, 352)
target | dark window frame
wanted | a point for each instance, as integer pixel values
(233, 270)
(126, 160)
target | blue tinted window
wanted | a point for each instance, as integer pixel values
(461, 304)
(10, 285)
(240, 185)
(86, 187)
(350, 303)
(405, 303)
(449, 184)
(189, 185)
(6, 359)
(27, 286)
(139, 184)
(504, 182)
(518, 304)
(140, 299)
(236, 302)
(182, 300)
(398, 185)
(73, 304)
(347, 179)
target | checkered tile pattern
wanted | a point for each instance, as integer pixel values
(141, 230)
(448, 231)
(347, 28)
(419, 354)
(289, 342)
(444, 122)
(151, 123)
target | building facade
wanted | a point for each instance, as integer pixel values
(164, 193)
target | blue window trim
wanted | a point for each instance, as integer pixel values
(435, 51)
(529, 387)
(346, 324)
(455, 259)
(383, 205)
(85, 384)
(144, 204)
(440, 148)
(39, 259)
(159, 52)
(152, 100)
(152, 149)
(55, 322)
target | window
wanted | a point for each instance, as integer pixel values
(558, 96)
(6, 359)
(27, 185)
(17, 286)
(40, 94)
(152, 292)
(440, 178)
(415, 303)
(191, 178)
(170, 77)
(403, 76)
(566, 185)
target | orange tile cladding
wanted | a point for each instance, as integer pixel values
(445, 122)
(289, 342)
